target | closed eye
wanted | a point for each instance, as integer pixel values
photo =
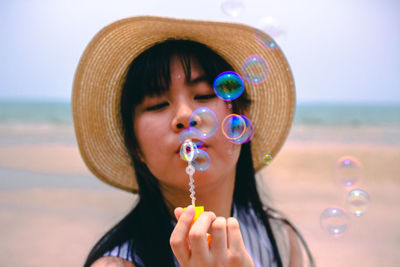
(157, 106)
(204, 97)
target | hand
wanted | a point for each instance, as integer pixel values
(190, 246)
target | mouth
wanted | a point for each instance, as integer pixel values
(204, 147)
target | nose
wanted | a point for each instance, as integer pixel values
(180, 121)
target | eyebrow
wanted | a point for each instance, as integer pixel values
(197, 80)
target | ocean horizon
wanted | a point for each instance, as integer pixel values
(50, 121)
(308, 113)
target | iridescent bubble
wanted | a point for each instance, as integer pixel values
(358, 201)
(267, 159)
(334, 221)
(264, 39)
(232, 8)
(193, 134)
(347, 171)
(255, 69)
(201, 160)
(188, 151)
(273, 28)
(233, 126)
(228, 85)
(247, 134)
(205, 121)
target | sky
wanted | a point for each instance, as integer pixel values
(339, 50)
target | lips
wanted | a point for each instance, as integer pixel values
(203, 147)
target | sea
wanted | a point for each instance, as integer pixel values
(33, 122)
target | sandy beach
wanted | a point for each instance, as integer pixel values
(55, 220)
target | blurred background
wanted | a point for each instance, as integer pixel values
(345, 58)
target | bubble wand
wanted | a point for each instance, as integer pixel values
(188, 153)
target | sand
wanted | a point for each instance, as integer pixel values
(57, 225)
(300, 183)
(48, 158)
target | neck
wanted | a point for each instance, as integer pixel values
(215, 197)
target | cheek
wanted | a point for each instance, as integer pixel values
(146, 131)
(227, 151)
(152, 136)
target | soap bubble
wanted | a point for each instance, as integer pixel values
(193, 134)
(201, 160)
(233, 126)
(205, 121)
(273, 28)
(247, 134)
(334, 221)
(267, 159)
(255, 69)
(228, 85)
(188, 151)
(232, 8)
(347, 171)
(358, 201)
(265, 40)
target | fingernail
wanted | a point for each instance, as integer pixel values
(190, 209)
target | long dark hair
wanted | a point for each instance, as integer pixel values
(149, 74)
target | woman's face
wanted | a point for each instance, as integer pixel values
(159, 120)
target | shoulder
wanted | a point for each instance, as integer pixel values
(111, 261)
(288, 240)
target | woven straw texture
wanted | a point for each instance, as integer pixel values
(103, 67)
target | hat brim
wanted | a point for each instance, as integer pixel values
(103, 66)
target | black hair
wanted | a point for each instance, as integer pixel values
(149, 74)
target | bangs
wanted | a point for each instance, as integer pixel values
(149, 74)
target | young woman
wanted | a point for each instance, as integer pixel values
(138, 83)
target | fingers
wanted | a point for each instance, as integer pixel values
(218, 231)
(178, 240)
(198, 235)
(178, 212)
(189, 240)
(235, 240)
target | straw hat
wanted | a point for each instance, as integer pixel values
(103, 67)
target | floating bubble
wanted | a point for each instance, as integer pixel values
(267, 159)
(358, 201)
(334, 221)
(188, 150)
(201, 160)
(273, 28)
(247, 134)
(205, 121)
(347, 171)
(193, 134)
(233, 126)
(255, 69)
(264, 39)
(232, 8)
(228, 85)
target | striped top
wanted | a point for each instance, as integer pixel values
(254, 235)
